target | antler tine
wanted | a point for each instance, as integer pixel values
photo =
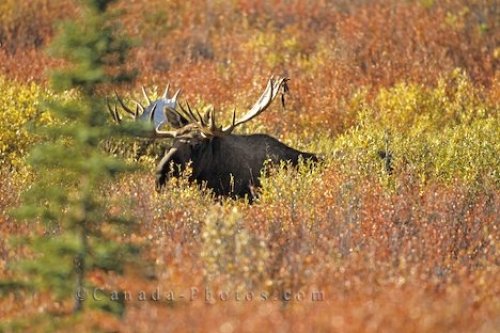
(136, 113)
(174, 98)
(200, 118)
(230, 128)
(165, 93)
(114, 113)
(139, 106)
(184, 111)
(193, 117)
(206, 117)
(145, 95)
(191, 114)
(117, 115)
(188, 114)
(211, 117)
(123, 104)
(152, 115)
(264, 101)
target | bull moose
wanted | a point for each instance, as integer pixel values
(229, 164)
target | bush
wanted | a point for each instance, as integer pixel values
(21, 111)
(29, 24)
(231, 251)
(445, 133)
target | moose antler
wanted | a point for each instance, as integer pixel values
(125, 107)
(272, 89)
(186, 121)
(144, 112)
(208, 125)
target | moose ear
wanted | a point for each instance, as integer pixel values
(175, 119)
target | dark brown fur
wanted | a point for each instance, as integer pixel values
(229, 165)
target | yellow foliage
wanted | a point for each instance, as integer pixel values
(230, 248)
(448, 132)
(21, 112)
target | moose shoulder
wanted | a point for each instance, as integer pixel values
(229, 164)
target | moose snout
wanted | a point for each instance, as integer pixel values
(160, 181)
(162, 169)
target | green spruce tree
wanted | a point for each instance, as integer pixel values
(71, 169)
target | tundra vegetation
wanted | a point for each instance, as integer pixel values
(415, 249)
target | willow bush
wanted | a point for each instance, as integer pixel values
(22, 112)
(445, 133)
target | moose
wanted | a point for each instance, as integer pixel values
(229, 164)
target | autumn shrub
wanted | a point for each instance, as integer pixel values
(447, 132)
(289, 199)
(232, 255)
(30, 24)
(21, 106)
